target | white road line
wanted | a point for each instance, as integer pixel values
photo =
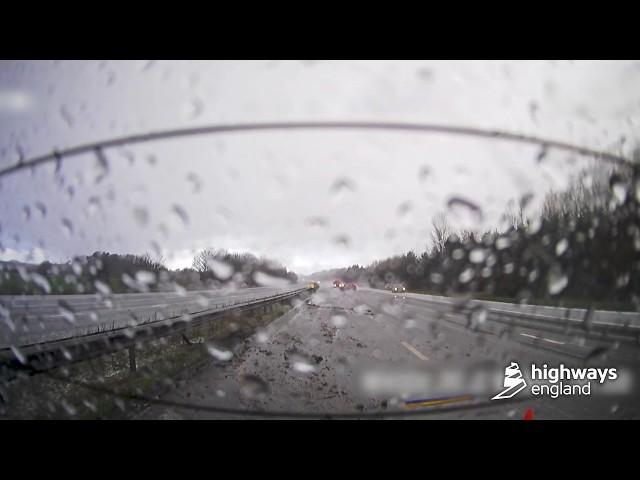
(545, 339)
(412, 349)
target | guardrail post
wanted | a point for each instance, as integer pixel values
(132, 359)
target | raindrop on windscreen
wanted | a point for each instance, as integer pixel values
(144, 277)
(465, 211)
(195, 108)
(262, 336)
(102, 288)
(425, 74)
(221, 270)
(404, 208)
(477, 317)
(339, 320)
(556, 281)
(18, 354)
(303, 367)
(466, 276)
(41, 281)
(102, 165)
(219, 354)
(477, 255)
(252, 386)
(342, 240)
(424, 173)
(587, 321)
(619, 192)
(42, 209)
(181, 213)
(541, 154)
(502, 243)
(561, 247)
(67, 227)
(317, 222)
(66, 312)
(141, 216)
(195, 181)
(342, 185)
(66, 116)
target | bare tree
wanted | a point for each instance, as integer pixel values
(440, 232)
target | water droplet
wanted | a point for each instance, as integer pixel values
(102, 166)
(181, 213)
(317, 222)
(66, 116)
(26, 212)
(66, 312)
(42, 209)
(303, 367)
(220, 269)
(556, 282)
(587, 321)
(619, 192)
(342, 240)
(476, 318)
(466, 276)
(424, 173)
(76, 267)
(41, 281)
(466, 212)
(404, 208)
(410, 323)
(195, 108)
(262, 337)
(542, 153)
(265, 280)
(145, 277)
(252, 386)
(503, 242)
(195, 181)
(342, 185)
(425, 74)
(19, 355)
(203, 302)
(67, 227)
(561, 247)
(93, 205)
(141, 216)
(477, 255)
(339, 320)
(218, 354)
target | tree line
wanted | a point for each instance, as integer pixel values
(582, 245)
(105, 273)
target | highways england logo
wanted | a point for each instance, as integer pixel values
(513, 382)
(554, 382)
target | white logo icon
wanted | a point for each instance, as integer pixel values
(513, 382)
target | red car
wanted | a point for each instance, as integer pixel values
(349, 286)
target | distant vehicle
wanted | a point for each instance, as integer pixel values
(338, 284)
(398, 288)
(349, 286)
(313, 286)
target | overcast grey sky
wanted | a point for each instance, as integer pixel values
(312, 199)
